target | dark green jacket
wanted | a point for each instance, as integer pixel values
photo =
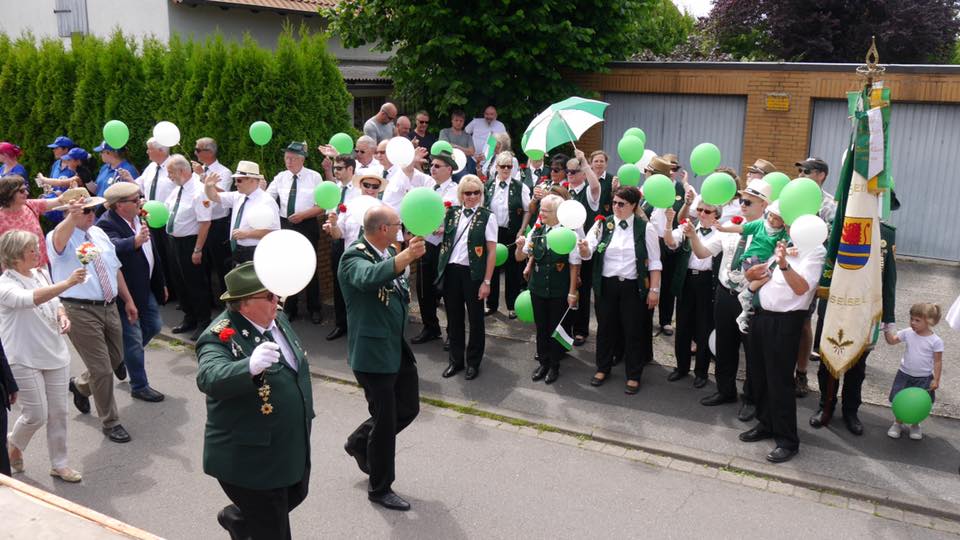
(640, 249)
(243, 446)
(475, 237)
(377, 304)
(550, 277)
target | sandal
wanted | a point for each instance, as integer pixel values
(67, 475)
(598, 381)
(630, 389)
(16, 465)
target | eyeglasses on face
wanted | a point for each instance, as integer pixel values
(573, 171)
(472, 193)
(87, 211)
(620, 204)
(269, 297)
(746, 202)
(438, 165)
(359, 151)
(369, 185)
(806, 171)
(419, 121)
(705, 211)
(504, 166)
(137, 200)
(378, 152)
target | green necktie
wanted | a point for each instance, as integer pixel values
(292, 198)
(269, 335)
(153, 186)
(623, 224)
(173, 215)
(236, 223)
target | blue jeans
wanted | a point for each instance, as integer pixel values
(135, 338)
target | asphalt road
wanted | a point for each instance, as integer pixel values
(464, 479)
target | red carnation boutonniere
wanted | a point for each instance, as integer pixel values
(683, 221)
(538, 225)
(737, 220)
(342, 208)
(599, 218)
(523, 166)
(565, 185)
(226, 334)
(447, 204)
(483, 178)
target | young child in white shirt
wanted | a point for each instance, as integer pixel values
(922, 360)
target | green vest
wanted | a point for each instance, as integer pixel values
(640, 249)
(682, 261)
(606, 195)
(550, 277)
(531, 177)
(514, 204)
(475, 237)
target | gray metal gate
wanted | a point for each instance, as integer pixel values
(925, 146)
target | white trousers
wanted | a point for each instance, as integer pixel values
(42, 399)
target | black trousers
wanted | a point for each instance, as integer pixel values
(4, 457)
(774, 340)
(619, 309)
(821, 311)
(580, 317)
(310, 228)
(393, 400)
(216, 250)
(426, 290)
(339, 306)
(669, 260)
(242, 254)
(512, 274)
(694, 321)
(459, 298)
(852, 386)
(265, 513)
(726, 308)
(161, 239)
(196, 300)
(547, 313)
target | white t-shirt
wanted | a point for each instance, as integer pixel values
(917, 359)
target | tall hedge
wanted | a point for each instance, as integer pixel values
(210, 88)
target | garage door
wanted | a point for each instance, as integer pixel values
(676, 124)
(925, 146)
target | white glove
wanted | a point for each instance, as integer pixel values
(264, 356)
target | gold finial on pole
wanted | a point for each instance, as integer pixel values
(872, 69)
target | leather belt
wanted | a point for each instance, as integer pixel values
(86, 302)
(693, 272)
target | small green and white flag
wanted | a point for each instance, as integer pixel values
(491, 147)
(561, 335)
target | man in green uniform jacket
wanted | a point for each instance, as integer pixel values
(377, 296)
(254, 371)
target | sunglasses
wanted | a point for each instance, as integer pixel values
(269, 297)
(361, 151)
(504, 166)
(368, 185)
(746, 202)
(423, 121)
(573, 171)
(620, 204)
(472, 193)
(438, 165)
(806, 171)
(87, 211)
(705, 211)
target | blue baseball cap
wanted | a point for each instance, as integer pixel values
(77, 153)
(62, 142)
(104, 146)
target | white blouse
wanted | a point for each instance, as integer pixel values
(31, 334)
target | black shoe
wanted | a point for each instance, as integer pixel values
(446, 343)
(780, 455)
(539, 373)
(748, 411)
(755, 434)
(471, 373)
(80, 401)
(675, 375)
(117, 434)
(717, 399)
(596, 381)
(357, 455)
(552, 375)
(147, 394)
(337, 332)
(853, 423)
(699, 382)
(816, 421)
(229, 518)
(578, 341)
(425, 335)
(120, 371)
(185, 326)
(316, 317)
(488, 312)
(451, 370)
(390, 500)
(511, 314)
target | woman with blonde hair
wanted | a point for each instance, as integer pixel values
(509, 200)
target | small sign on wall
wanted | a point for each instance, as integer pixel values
(778, 102)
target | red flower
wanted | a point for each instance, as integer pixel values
(447, 204)
(565, 184)
(599, 218)
(537, 225)
(737, 220)
(523, 165)
(683, 221)
(226, 334)
(342, 208)
(483, 178)
(144, 213)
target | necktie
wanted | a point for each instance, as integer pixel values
(269, 335)
(623, 224)
(153, 185)
(705, 231)
(503, 185)
(436, 187)
(173, 215)
(292, 198)
(236, 223)
(468, 212)
(101, 270)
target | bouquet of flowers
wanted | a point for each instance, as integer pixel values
(87, 253)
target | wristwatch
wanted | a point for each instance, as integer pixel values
(198, 250)
(655, 289)
(486, 282)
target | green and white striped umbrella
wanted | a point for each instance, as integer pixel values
(561, 123)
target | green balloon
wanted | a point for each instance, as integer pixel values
(422, 211)
(800, 197)
(502, 253)
(718, 189)
(327, 195)
(157, 214)
(705, 158)
(636, 132)
(630, 149)
(561, 240)
(440, 146)
(116, 133)
(912, 405)
(535, 155)
(658, 190)
(342, 142)
(261, 132)
(524, 307)
(777, 181)
(629, 174)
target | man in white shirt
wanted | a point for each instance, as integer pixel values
(379, 127)
(243, 236)
(293, 191)
(216, 250)
(188, 228)
(481, 128)
(342, 170)
(366, 150)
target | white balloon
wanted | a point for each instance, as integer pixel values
(400, 151)
(571, 214)
(808, 232)
(712, 342)
(460, 158)
(259, 217)
(358, 206)
(166, 133)
(285, 261)
(648, 155)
